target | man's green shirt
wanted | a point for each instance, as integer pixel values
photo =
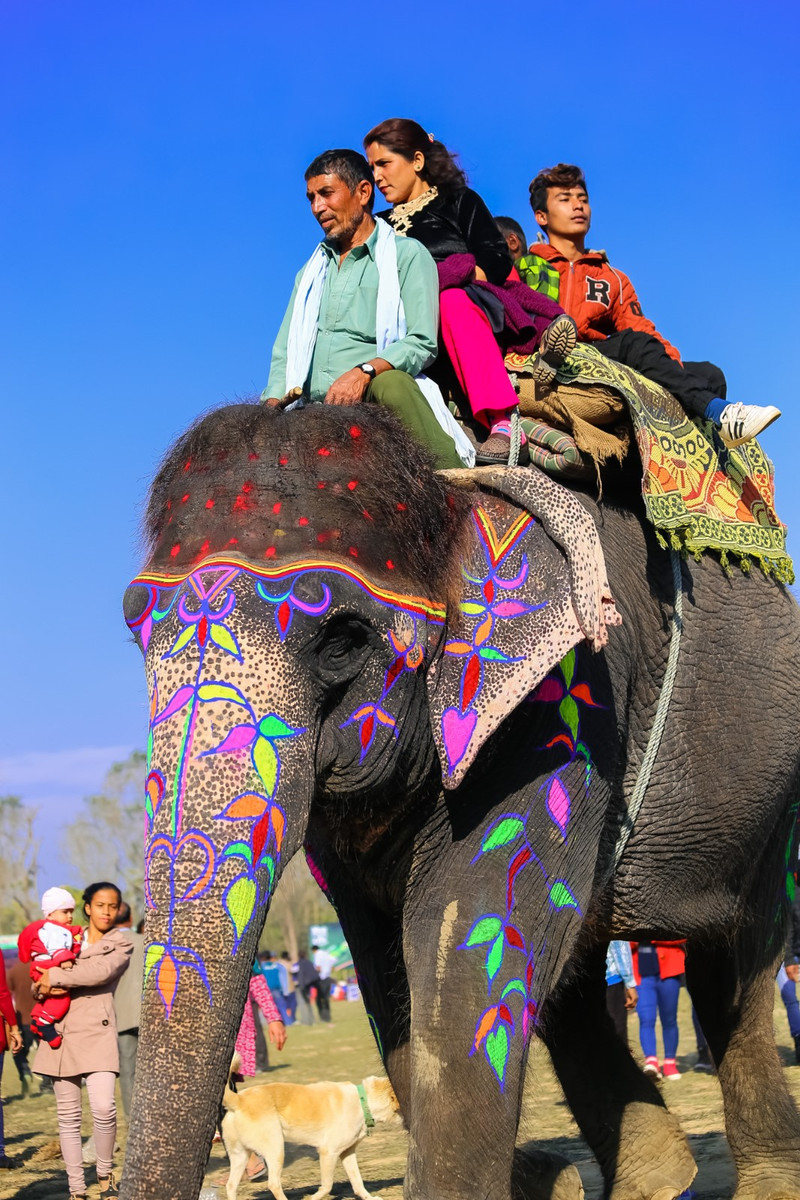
(346, 330)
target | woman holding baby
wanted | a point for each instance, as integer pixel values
(89, 1038)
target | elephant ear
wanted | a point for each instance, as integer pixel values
(517, 621)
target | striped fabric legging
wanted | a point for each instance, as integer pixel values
(100, 1086)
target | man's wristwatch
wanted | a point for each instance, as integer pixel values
(368, 369)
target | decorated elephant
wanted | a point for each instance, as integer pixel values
(423, 681)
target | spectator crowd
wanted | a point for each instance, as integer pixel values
(72, 998)
(71, 1004)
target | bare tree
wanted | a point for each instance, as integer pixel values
(297, 903)
(105, 839)
(19, 861)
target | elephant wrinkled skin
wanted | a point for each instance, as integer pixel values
(328, 630)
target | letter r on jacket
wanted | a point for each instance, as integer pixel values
(598, 291)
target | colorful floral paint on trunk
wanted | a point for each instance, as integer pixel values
(203, 602)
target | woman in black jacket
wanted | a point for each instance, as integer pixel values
(432, 203)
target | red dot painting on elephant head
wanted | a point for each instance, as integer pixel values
(248, 481)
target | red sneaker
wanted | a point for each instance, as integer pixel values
(670, 1069)
(652, 1068)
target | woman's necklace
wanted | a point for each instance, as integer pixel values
(401, 214)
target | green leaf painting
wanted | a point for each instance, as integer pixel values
(561, 896)
(153, 955)
(497, 1051)
(265, 761)
(568, 711)
(272, 726)
(240, 900)
(221, 636)
(483, 931)
(183, 639)
(238, 850)
(502, 832)
(494, 957)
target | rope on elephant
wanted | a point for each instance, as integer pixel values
(662, 711)
(516, 439)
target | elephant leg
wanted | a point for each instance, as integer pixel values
(734, 1007)
(376, 940)
(537, 1175)
(462, 1118)
(639, 1145)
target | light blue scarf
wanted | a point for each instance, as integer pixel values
(390, 325)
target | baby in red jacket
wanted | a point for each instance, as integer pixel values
(51, 942)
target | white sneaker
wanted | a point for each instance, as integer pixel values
(741, 422)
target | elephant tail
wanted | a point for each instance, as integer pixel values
(230, 1098)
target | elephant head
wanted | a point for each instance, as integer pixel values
(331, 632)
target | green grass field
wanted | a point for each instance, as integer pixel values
(344, 1050)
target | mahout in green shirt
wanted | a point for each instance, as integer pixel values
(346, 330)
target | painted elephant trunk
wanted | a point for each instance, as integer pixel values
(228, 793)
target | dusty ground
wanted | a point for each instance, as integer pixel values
(345, 1050)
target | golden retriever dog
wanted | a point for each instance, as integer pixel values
(328, 1116)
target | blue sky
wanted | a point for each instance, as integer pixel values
(153, 217)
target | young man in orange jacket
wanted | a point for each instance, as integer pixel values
(607, 312)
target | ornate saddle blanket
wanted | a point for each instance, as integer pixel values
(698, 494)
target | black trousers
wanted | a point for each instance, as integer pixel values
(324, 999)
(21, 1057)
(262, 1052)
(694, 384)
(615, 1003)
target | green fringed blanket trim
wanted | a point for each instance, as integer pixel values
(699, 495)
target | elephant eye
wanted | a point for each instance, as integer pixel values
(342, 647)
(134, 602)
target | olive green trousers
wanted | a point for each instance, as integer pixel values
(397, 391)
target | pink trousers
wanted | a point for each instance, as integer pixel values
(100, 1086)
(476, 356)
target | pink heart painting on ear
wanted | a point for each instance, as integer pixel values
(457, 729)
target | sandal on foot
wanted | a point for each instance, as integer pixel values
(257, 1174)
(111, 1188)
(496, 450)
(259, 1171)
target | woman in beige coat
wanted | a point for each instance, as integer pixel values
(89, 1046)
